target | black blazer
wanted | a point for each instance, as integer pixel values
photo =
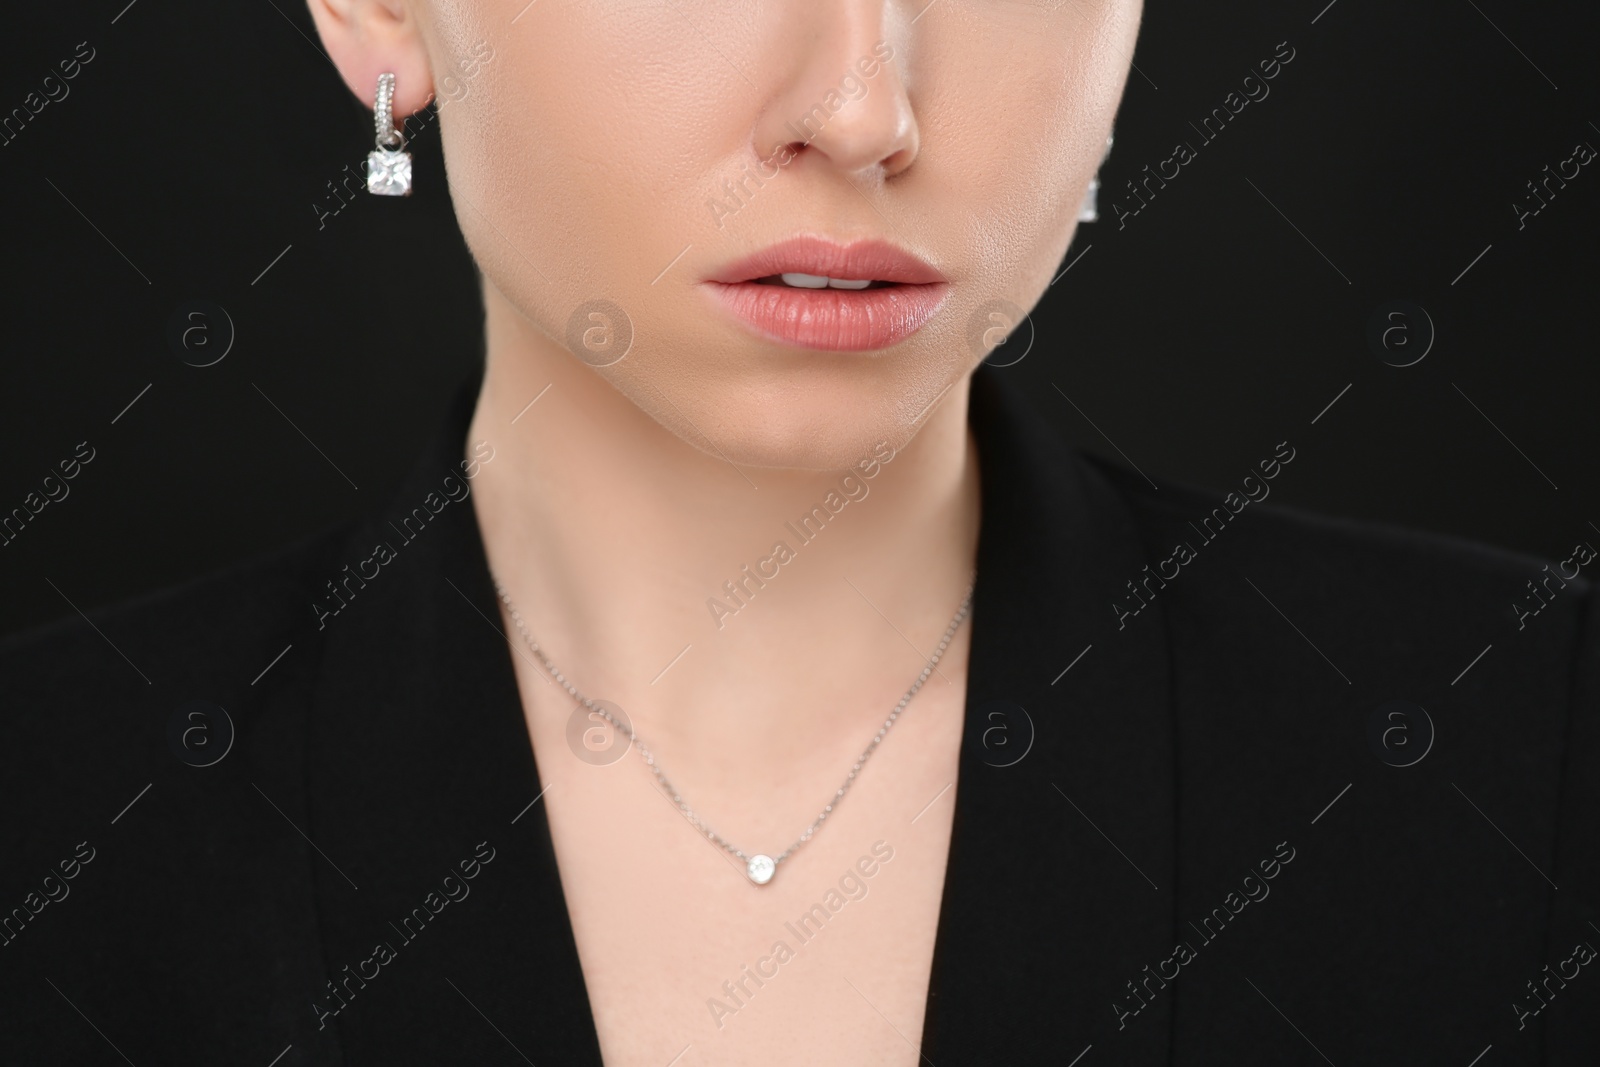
(1239, 784)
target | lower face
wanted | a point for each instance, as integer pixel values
(803, 212)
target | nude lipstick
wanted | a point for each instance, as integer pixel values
(811, 292)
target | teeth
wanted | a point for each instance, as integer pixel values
(819, 281)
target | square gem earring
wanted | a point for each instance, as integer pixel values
(388, 165)
(1090, 209)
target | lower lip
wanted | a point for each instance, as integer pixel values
(834, 320)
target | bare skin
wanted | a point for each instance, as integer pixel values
(587, 146)
(757, 724)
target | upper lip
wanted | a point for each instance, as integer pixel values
(871, 259)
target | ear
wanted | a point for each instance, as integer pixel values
(366, 38)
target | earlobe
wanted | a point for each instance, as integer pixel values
(365, 38)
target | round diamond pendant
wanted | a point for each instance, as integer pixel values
(760, 869)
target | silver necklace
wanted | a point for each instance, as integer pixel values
(760, 867)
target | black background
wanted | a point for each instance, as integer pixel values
(193, 150)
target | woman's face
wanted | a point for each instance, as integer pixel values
(613, 162)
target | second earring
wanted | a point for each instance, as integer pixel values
(1090, 210)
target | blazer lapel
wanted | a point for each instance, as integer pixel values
(439, 896)
(1060, 885)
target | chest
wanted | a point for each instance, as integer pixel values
(686, 961)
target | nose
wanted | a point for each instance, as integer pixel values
(845, 99)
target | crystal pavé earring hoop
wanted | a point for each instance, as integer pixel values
(388, 165)
(1090, 211)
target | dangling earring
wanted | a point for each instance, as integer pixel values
(1090, 210)
(388, 165)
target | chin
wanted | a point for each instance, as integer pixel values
(769, 407)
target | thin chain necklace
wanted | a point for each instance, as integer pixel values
(760, 867)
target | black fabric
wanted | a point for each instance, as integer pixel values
(1123, 776)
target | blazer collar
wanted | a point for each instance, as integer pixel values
(420, 761)
(1060, 885)
(1059, 888)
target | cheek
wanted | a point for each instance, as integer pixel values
(584, 149)
(1020, 135)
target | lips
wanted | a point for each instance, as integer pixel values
(863, 296)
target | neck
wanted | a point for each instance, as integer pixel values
(651, 573)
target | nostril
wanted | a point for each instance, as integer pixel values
(897, 161)
(781, 156)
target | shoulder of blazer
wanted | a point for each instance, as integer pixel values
(1291, 634)
(1389, 564)
(90, 699)
(198, 632)
(154, 772)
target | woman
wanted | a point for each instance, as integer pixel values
(743, 675)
